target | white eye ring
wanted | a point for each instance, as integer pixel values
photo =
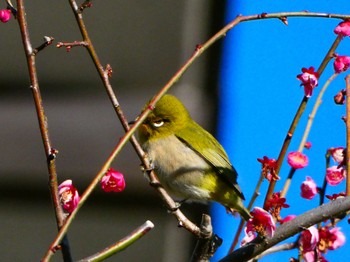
(158, 123)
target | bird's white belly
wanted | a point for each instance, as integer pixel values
(179, 168)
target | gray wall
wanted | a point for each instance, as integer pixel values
(145, 42)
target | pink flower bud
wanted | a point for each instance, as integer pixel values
(337, 154)
(343, 28)
(297, 160)
(69, 196)
(341, 63)
(309, 79)
(308, 145)
(287, 218)
(5, 15)
(308, 188)
(113, 181)
(309, 239)
(335, 175)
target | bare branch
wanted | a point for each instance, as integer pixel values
(122, 244)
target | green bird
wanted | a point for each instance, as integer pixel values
(189, 162)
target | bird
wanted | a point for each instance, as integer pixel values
(189, 162)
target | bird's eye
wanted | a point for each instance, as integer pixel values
(158, 123)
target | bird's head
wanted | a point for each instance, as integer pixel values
(168, 116)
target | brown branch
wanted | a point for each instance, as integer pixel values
(296, 119)
(288, 229)
(250, 205)
(48, 41)
(69, 45)
(122, 244)
(49, 151)
(347, 79)
(208, 243)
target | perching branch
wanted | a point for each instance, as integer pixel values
(288, 229)
(207, 243)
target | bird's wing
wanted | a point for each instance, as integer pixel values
(212, 152)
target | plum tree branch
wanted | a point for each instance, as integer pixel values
(288, 229)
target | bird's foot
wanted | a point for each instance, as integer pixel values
(149, 167)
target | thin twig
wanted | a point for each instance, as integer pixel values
(122, 244)
(296, 119)
(250, 205)
(48, 41)
(322, 190)
(307, 131)
(69, 45)
(347, 79)
(49, 151)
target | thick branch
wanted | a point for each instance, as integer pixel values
(291, 228)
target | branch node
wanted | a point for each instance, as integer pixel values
(86, 4)
(69, 45)
(284, 20)
(262, 15)
(11, 8)
(48, 40)
(109, 70)
(53, 154)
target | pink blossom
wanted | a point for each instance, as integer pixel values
(261, 223)
(275, 204)
(5, 15)
(330, 238)
(309, 239)
(343, 28)
(341, 63)
(309, 79)
(287, 218)
(297, 160)
(310, 256)
(335, 175)
(308, 188)
(269, 166)
(337, 154)
(338, 238)
(113, 181)
(69, 196)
